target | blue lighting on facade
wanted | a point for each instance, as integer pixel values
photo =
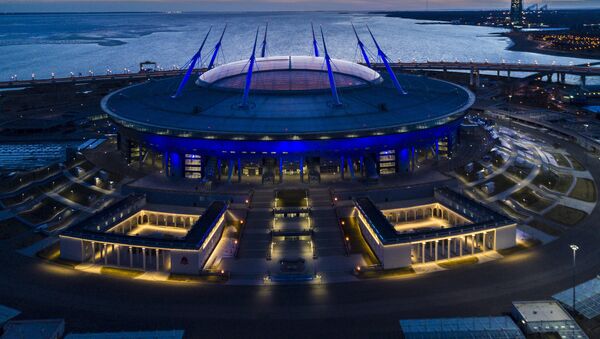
(327, 147)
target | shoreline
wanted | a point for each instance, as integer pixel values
(521, 43)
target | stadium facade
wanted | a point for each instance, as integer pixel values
(299, 115)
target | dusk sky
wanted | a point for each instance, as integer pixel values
(269, 5)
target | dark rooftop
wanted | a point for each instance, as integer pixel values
(95, 226)
(214, 112)
(482, 217)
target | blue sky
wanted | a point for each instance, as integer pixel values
(267, 5)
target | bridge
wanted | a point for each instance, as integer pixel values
(476, 67)
(473, 67)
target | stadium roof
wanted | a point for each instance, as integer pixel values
(215, 112)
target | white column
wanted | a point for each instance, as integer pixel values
(436, 250)
(105, 248)
(494, 240)
(82, 250)
(448, 248)
(157, 255)
(423, 252)
(483, 242)
(472, 244)
(130, 257)
(460, 245)
(144, 258)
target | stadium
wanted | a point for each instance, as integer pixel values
(294, 115)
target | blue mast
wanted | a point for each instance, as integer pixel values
(263, 52)
(315, 46)
(384, 58)
(192, 62)
(217, 46)
(362, 47)
(334, 92)
(249, 73)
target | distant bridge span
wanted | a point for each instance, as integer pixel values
(474, 67)
(588, 69)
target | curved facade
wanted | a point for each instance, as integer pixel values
(290, 124)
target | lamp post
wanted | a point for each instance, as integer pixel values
(574, 248)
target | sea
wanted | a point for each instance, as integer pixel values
(61, 43)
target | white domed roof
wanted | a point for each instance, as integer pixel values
(352, 73)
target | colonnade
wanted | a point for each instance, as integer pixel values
(134, 257)
(453, 246)
(155, 219)
(436, 210)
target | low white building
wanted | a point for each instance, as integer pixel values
(450, 227)
(126, 235)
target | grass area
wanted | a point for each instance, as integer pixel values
(510, 211)
(519, 172)
(501, 184)
(292, 198)
(520, 247)
(576, 164)
(561, 160)
(527, 197)
(80, 194)
(469, 176)
(381, 273)
(121, 272)
(565, 215)
(355, 241)
(453, 263)
(497, 159)
(585, 190)
(86, 166)
(20, 179)
(50, 185)
(545, 228)
(44, 211)
(554, 181)
(104, 183)
(52, 253)
(199, 278)
(18, 199)
(12, 227)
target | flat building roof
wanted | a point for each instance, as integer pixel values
(543, 310)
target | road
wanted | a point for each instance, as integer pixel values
(584, 70)
(363, 309)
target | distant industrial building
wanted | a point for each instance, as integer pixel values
(502, 327)
(546, 317)
(516, 13)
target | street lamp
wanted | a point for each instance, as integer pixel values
(574, 248)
